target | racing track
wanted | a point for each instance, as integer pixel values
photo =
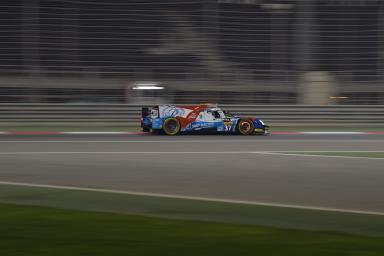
(224, 167)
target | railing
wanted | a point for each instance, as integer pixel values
(129, 115)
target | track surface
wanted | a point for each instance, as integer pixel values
(160, 164)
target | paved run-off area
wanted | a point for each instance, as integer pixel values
(255, 170)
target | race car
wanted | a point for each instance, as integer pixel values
(173, 120)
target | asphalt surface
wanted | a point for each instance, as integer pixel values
(227, 167)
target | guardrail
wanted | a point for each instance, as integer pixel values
(129, 115)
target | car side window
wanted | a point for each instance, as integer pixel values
(216, 114)
(208, 116)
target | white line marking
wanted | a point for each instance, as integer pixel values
(287, 153)
(129, 152)
(281, 153)
(209, 199)
(96, 133)
(333, 132)
(324, 151)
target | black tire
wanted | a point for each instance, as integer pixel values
(245, 127)
(171, 126)
(146, 129)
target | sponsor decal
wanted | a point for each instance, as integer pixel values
(202, 125)
(193, 115)
(173, 111)
(227, 125)
(195, 125)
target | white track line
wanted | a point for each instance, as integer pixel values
(209, 199)
(332, 133)
(189, 153)
(97, 133)
(275, 153)
(287, 153)
(324, 151)
(130, 152)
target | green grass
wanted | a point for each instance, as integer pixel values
(351, 154)
(200, 210)
(27, 230)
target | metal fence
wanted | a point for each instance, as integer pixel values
(265, 47)
(123, 115)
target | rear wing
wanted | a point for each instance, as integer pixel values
(145, 111)
(150, 112)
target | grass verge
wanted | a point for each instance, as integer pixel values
(187, 209)
(37, 231)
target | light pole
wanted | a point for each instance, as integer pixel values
(381, 44)
(31, 37)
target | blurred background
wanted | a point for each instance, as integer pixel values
(316, 52)
(75, 74)
(312, 61)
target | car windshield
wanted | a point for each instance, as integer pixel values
(227, 113)
(216, 114)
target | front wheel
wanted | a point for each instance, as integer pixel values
(245, 127)
(171, 126)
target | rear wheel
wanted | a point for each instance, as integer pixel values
(146, 129)
(171, 126)
(245, 127)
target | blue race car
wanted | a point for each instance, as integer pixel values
(173, 120)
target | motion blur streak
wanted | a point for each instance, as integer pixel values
(187, 197)
(352, 184)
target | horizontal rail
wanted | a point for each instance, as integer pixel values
(129, 115)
